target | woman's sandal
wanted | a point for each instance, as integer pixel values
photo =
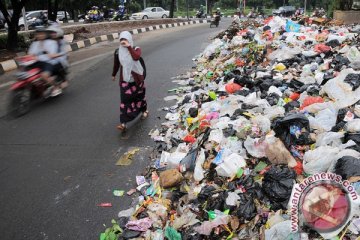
(121, 127)
(145, 115)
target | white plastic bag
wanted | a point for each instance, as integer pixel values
(319, 159)
(231, 165)
(341, 92)
(353, 125)
(332, 139)
(199, 171)
(262, 122)
(354, 57)
(255, 147)
(324, 120)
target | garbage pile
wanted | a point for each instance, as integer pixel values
(271, 109)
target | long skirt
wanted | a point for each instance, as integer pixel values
(132, 100)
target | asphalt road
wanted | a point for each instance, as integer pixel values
(58, 161)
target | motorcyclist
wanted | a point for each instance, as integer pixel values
(44, 50)
(122, 10)
(43, 17)
(201, 10)
(61, 58)
(106, 12)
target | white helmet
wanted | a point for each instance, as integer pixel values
(59, 32)
(218, 9)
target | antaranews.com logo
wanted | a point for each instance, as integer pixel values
(322, 202)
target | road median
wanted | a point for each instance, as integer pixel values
(85, 35)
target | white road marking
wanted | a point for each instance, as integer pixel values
(6, 84)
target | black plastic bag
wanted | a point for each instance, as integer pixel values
(247, 209)
(193, 112)
(272, 99)
(333, 43)
(282, 128)
(291, 106)
(353, 80)
(347, 167)
(277, 185)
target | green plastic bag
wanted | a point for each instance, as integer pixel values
(172, 234)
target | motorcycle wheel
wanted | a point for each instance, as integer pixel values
(19, 103)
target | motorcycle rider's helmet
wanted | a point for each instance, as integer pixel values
(104, 7)
(218, 9)
(93, 7)
(55, 29)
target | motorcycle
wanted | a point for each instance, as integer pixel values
(200, 14)
(215, 20)
(90, 18)
(37, 22)
(120, 16)
(28, 86)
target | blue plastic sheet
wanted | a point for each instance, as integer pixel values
(292, 27)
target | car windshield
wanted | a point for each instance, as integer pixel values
(147, 10)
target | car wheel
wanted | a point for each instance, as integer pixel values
(145, 17)
(164, 16)
(22, 28)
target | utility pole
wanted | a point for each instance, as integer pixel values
(305, 7)
(187, 9)
(25, 20)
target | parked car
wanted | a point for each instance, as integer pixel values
(30, 18)
(285, 11)
(151, 12)
(61, 15)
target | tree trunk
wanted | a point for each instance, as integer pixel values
(172, 8)
(12, 40)
(52, 10)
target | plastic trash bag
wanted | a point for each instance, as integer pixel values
(232, 199)
(332, 139)
(277, 185)
(247, 209)
(281, 231)
(262, 122)
(277, 153)
(199, 171)
(126, 213)
(210, 49)
(311, 100)
(319, 159)
(354, 57)
(324, 120)
(141, 225)
(172, 234)
(282, 128)
(348, 167)
(353, 80)
(207, 226)
(231, 165)
(341, 92)
(255, 147)
(186, 219)
(353, 126)
(284, 53)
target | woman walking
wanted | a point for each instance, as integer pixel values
(132, 88)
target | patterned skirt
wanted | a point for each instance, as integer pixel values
(132, 100)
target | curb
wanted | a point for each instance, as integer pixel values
(208, 17)
(10, 65)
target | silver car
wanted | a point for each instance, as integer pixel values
(151, 12)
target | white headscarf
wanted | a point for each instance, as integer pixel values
(126, 60)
